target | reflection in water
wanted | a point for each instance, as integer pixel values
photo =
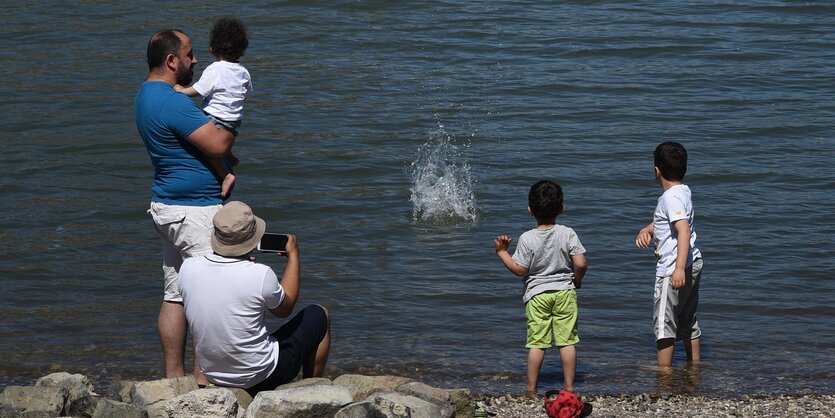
(679, 380)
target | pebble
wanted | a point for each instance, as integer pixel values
(651, 405)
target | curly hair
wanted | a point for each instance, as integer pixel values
(545, 200)
(228, 39)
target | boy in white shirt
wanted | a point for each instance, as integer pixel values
(679, 266)
(224, 85)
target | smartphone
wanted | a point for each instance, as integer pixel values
(273, 243)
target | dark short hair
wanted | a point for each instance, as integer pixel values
(228, 38)
(545, 200)
(671, 160)
(161, 44)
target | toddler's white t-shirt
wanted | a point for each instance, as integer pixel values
(224, 86)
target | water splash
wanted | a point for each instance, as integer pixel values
(442, 190)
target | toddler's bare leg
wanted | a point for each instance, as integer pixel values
(693, 350)
(665, 349)
(568, 356)
(535, 358)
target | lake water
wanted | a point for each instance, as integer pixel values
(398, 138)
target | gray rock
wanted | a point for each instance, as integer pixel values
(33, 401)
(81, 399)
(396, 405)
(307, 382)
(149, 393)
(300, 402)
(214, 402)
(244, 399)
(108, 408)
(425, 392)
(365, 409)
(156, 411)
(462, 402)
(363, 386)
(120, 390)
(439, 397)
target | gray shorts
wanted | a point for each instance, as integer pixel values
(229, 125)
(674, 313)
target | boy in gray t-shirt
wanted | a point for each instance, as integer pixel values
(551, 261)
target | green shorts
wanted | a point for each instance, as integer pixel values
(552, 312)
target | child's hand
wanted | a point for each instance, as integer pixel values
(501, 243)
(644, 237)
(227, 185)
(178, 88)
(677, 279)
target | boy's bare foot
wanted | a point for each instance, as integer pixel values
(228, 181)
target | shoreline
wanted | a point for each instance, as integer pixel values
(666, 405)
(80, 396)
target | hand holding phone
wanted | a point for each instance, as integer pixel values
(273, 243)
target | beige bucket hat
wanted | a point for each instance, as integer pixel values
(237, 230)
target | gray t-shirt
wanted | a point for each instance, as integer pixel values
(546, 253)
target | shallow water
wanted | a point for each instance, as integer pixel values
(397, 139)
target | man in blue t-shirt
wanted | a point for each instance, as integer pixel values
(186, 195)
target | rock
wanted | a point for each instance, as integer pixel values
(149, 393)
(33, 401)
(439, 397)
(365, 409)
(244, 399)
(300, 402)
(307, 382)
(363, 386)
(214, 402)
(81, 399)
(108, 408)
(462, 402)
(392, 404)
(120, 390)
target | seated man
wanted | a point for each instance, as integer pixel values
(226, 296)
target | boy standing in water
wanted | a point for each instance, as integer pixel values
(679, 267)
(551, 261)
(224, 86)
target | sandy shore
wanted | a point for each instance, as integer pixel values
(647, 405)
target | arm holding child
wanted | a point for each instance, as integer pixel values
(501, 243)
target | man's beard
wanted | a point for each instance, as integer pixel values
(185, 75)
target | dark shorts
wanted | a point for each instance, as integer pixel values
(297, 339)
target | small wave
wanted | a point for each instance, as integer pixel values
(442, 189)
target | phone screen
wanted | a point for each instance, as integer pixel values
(273, 243)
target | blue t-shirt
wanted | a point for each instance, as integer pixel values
(182, 174)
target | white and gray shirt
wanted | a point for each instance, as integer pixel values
(546, 253)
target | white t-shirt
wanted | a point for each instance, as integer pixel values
(225, 301)
(546, 253)
(675, 204)
(224, 86)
